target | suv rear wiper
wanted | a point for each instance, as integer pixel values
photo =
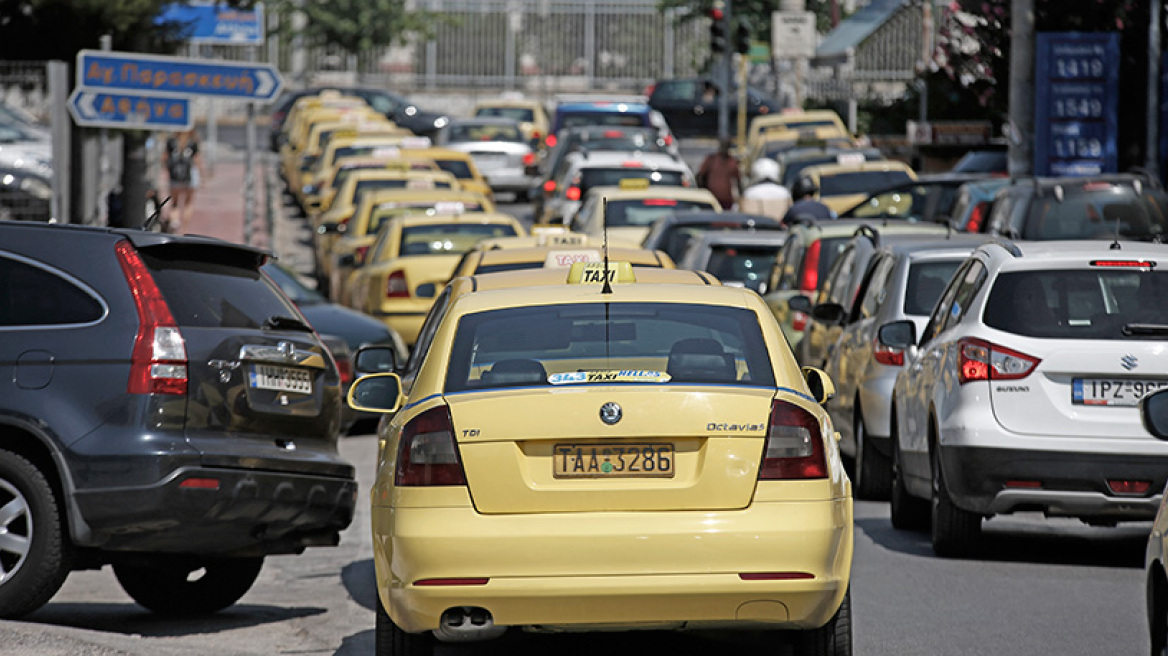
(277, 322)
(1145, 329)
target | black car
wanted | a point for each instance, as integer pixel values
(673, 232)
(165, 410)
(691, 105)
(25, 195)
(1111, 206)
(395, 107)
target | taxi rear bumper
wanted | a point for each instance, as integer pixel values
(782, 565)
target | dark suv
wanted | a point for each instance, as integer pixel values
(1118, 206)
(164, 408)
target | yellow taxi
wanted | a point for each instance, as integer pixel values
(843, 186)
(307, 105)
(798, 121)
(318, 198)
(459, 164)
(771, 144)
(301, 122)
(354, 144)
(345, 199)
(301, 161)
(491, 257)
(342, 247)
(634, 206)
(532, 116)
(607, 454)
(412, 259)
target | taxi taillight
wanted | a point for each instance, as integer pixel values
(396, 286)
(427, 453)
(794, 445)
(158, 363)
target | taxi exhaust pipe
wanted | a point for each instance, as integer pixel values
(467, 624)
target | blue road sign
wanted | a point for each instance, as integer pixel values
(100, 109)
(159, 75)
(217, 23)
(1076, 103)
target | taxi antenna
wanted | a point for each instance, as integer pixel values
(607, 288)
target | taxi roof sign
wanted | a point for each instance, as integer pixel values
(634, 183)
(596, 273)
(561, 239)
(561, 259)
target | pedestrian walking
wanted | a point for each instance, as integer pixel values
(719, 174)
(806, 206)
(765, 195)
(183, 165)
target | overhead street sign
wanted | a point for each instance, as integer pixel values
(158, 75)
(793, 34)
(100, 109)
(216, 23)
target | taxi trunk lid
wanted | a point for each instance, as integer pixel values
(565, 458)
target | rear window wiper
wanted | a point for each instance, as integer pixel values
(277, 322)
(1145, 329)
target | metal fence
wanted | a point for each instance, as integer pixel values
(25, 165)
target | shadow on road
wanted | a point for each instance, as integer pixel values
(131, 619)
(358, 578)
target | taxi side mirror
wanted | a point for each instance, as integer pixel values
(819, 383)
(377, 359)
(799, 303)
(898, 334)
(1154, 413)
(376, 393)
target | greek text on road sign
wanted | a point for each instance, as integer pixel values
(161, 75)
(216, 23)
(100, 109)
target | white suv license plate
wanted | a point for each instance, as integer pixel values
(1104, 391)
(281, 379)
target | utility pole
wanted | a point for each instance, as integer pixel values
(1020, 128)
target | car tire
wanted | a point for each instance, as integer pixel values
(165, 585)
(955, 531)
(1157, 615)
(908, 512)
(873, 469)
(391, 640)
(36, 555)
(831, 639)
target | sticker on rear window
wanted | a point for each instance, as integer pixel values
(612, 376)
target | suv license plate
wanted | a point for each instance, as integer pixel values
(646, 460)
(281, 379)
(1103, 391)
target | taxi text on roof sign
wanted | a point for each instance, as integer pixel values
(595, 273)
(634, 183)
(560, 259)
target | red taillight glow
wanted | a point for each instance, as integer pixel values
(1132, 488)
(396, 285)
(632, 164)
(345, 369)
(887, 355)
(1024, 485)
(549, 186)
(612, 134)
(660, 202)
(200, 484)
(774, 576)
(799, 320)
(794, 445)
(551, 141)
(1124, 264)
(428, 454)
(528, 159)
(980, 360)
(977, 216)
(158, 364)
(573, 193)
(360, 253)
(809, 281)
(462, 581)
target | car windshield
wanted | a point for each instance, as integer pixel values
(602, 118)
(596, 177)
(456, 167)
(860, 182)
(675, 238)
(449, 238)
(522, 114)
(646, 211)
(1092, 303)
(748, 265)
(607, 343)
(387, 211)
(365, 186)
(468, 132)
(1097, 211)
(926, 281)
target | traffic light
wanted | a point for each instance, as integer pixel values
(742, 39)
(717, 31)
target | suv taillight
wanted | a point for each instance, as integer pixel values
(887, 355)
(158, 364)
(794, 445)
(396, 286)
(427, 453)
(978, 359)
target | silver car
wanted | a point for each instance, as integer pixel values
(498, 148)
(741, 258)
(903, 280)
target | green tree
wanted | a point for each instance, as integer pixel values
(357, 27)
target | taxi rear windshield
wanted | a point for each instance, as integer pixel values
(596, 177)
(644, 212)
(860, 182)
(449, 238)
(1095, 303)
(648, 343)
(1098, 211)
(603, 118)
(748, 265)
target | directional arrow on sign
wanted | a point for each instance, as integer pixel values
(101, 109)
(157, 75)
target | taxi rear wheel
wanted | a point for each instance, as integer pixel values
(391, 640)
(955, 530)
(831, 639)
(908, 512)
(873, 470)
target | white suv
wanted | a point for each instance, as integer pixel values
(1021, 394)
(587, 170)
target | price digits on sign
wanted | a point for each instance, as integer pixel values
(1078, 108)
(1079, 67)
(1076, 147)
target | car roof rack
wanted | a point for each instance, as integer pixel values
(871, 233)
(1007, 245)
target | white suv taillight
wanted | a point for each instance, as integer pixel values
(427, 453)
(978, 359)
(794, 445)
(158, 364)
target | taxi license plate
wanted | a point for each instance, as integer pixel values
(1103, 391)
(281, 379)
(645, 460)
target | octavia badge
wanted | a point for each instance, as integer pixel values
(610, 413)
